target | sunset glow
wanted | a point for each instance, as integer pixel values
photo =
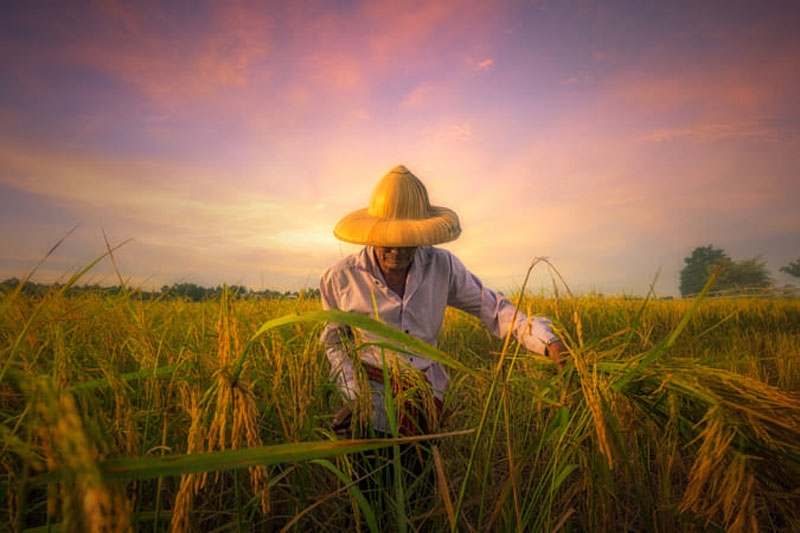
(228, 138)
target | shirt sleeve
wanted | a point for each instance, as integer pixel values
(335, 337)
(466, 292)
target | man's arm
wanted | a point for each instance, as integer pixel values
(467, 293)
(335, 338)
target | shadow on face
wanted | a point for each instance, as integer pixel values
(395, 259)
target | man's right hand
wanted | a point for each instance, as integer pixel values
(341, 420)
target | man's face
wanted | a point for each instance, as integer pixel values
(395, 259)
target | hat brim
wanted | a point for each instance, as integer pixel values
(359, 227)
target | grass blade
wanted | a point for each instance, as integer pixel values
(150, 467)
(367, 324)
(352, 487)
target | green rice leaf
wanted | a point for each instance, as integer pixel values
(404, 342)
(173, 465)
(130, 376)
(369, 512)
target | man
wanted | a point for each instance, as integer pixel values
(400, 279)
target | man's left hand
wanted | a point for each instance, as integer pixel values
(557, 351)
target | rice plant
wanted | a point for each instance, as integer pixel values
(121, 413)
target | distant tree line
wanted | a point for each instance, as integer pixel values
(185, 291)
(736, 277)
(793, 268)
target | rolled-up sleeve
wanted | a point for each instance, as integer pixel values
(335, 337)
(466, 292)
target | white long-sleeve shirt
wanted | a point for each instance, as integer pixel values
(435, 280)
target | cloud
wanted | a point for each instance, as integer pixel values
(740, 94)
(237, 134)
(456, 131)
(574, 79)
(186, 224)
(161, 200)
(483, 64)
(419, 96)
(162, 55)
(403, 33)
(715, 132)
(272, 71)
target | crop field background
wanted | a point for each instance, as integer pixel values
(119, 414)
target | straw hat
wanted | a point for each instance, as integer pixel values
(399, 214)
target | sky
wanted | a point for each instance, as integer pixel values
(226, 139)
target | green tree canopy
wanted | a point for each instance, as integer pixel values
(699, 267)
(744, 274)
(735, 275)
(793, 268)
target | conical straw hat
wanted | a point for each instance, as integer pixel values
(399, 214)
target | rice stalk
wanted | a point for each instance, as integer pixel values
(190, 484)
(444, 488)
(233, 419)
(87, 503)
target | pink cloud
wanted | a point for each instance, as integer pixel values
(402, 31)
(335, 71)
(165, 56)
(715, 132)
(291, 61)
(419, 96)
(742, 90)
(482, 65)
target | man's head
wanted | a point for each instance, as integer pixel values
(399, 215)
(395, 259)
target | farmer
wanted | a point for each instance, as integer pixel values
(400, 279)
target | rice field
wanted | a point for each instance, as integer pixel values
(121, 414)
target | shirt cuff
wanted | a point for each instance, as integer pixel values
(540, 335)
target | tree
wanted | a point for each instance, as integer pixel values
(699, 267)
(309, 294)
(793, 268)
(734, 276)
(190, 291)
(743, 274)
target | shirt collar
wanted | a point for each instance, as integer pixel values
(369, 263)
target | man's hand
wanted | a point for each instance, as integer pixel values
(341, 420)
(557, 351)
